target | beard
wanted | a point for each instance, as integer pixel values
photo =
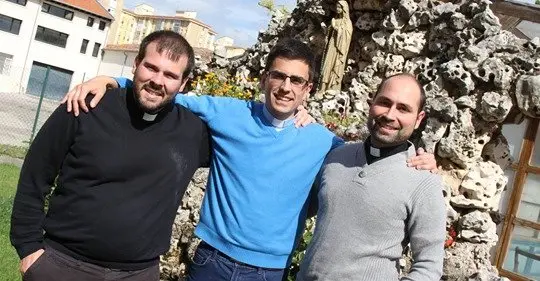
(147, 107)
(397, 136)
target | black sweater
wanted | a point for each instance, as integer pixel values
(120, 180)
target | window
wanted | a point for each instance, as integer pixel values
(51, 36)
(101, 25)
(20, 2)
(90, 22)
(48, 80)
(5, 63)
(83, 46)
(518, 255)
(57, 11)
(176, 26)
(96, 49)
(10, 24)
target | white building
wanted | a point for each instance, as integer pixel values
(50, 45)
(224, 47)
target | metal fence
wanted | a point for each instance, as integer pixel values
(24, 108)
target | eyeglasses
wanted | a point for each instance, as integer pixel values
(280, 77)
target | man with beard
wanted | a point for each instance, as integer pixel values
(371, 205)
(261, 173)
(120, 174)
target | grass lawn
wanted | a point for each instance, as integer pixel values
(9, 261)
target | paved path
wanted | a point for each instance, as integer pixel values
(10, 160)
(17, 115)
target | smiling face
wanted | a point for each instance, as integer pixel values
(395, 112)
(157, 78)
(286, 85)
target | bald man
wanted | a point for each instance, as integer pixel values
(371, 205)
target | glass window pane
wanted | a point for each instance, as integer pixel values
(5, 23)
(58, 83)
(529, 207)
(535, 160)
(523, 256)
(514, 133)
(37, 78)
(16, 26)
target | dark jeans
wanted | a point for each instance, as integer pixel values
(210, 264)
(56, 266)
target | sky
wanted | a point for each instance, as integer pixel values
(239, 19)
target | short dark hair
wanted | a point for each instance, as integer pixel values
(406, 74)
(175, 45)
(292, 49)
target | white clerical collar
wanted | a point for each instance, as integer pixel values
(277, 123)
(375, 152)
(149, 117)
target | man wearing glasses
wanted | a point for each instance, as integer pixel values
(261, 172)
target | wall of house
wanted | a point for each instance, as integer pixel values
(126, 28)
(26, 50)
(117, 63)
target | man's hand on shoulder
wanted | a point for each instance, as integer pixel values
(423, 161)
(96, 86)
(302, 117)
(29, 260)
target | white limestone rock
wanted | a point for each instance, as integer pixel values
(481, 188)
(454, 72)
(368, 5)
(393, 64)
(419, 19)
(478, 227)
(393, 21)
(406, 44)
(487, 22)
(465, 102)
(433, 133)
(473, 56)
(463, 145)
(442, 108)
(466, 260)
(498, 152)
(369, 21)
(458, 21)
(528, 95)
(494, 106)
(496, 71)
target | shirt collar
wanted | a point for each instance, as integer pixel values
(277, 123)
(374, 154)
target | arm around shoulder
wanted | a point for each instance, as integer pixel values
(208, 107)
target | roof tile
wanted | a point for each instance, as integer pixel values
(90, 6)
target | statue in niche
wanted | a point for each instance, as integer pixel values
(337, 48)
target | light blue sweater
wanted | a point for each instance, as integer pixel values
(255, 204)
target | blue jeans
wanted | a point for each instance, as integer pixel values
(210, 264)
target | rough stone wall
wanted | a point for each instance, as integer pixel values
(476, 76)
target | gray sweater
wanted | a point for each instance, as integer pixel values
(368, 213)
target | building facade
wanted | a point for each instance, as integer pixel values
(114, 7)
(48, 46)
(134, 25)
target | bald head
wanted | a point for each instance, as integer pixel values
(396, 110)
(409, 84)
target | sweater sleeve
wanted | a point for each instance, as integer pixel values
(123, 82)
(204, 106)
(39, 171)
(426, 231)
(207, 107)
